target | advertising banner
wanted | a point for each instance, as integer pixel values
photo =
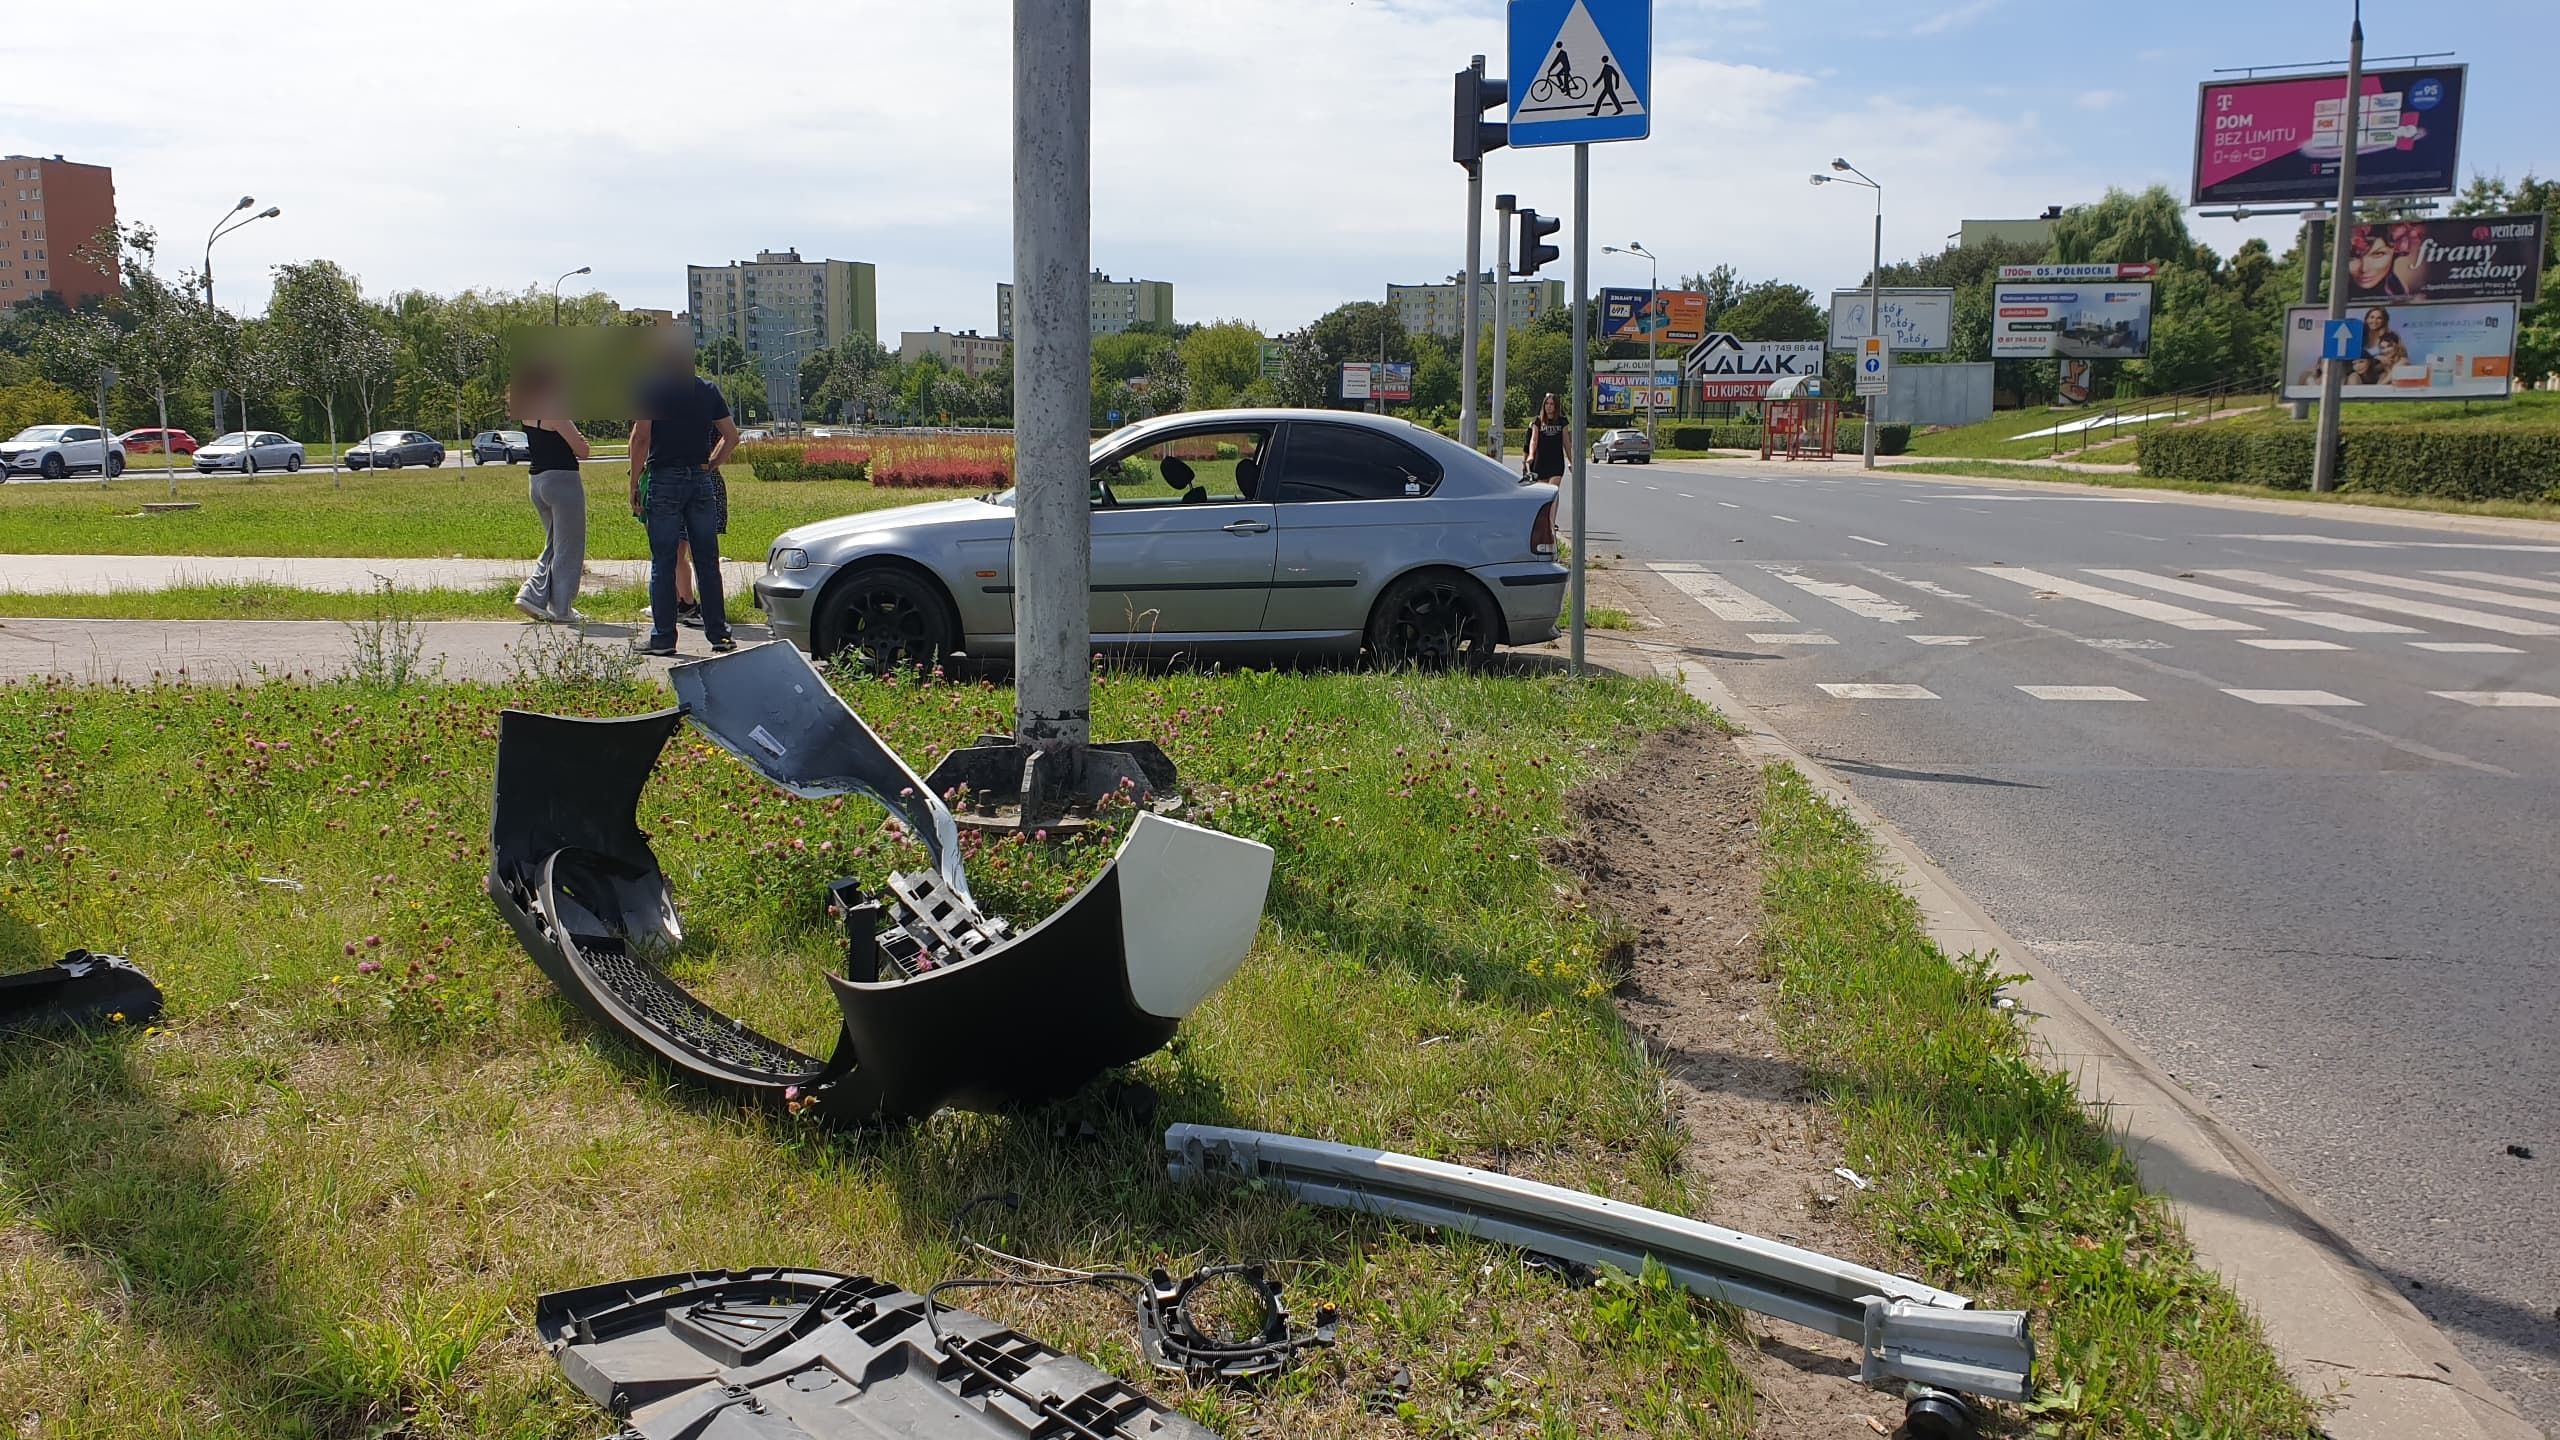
(1667, 317)
(1355, 380)
(2079, 322)
(1624, 394)
(1392, 382)
(2280, 140)
(1735, 369)
(2486, 257)
(2075, 274)
(2434, 350)
(1275, 359)
(1913, 321)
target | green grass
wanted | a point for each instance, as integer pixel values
(2527, 410)
(260, 600)
(475, 513)
(1992, 470)
(1607, 617)
(320, 1200)
(1996, 438)
(1988, 1171)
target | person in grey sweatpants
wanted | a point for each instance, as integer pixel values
(537, 401)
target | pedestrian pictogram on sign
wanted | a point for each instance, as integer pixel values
(1581, 70)
(2342, 340)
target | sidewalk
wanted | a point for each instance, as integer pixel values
(107, 574)
(237, 652)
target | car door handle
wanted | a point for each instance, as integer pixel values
(1248, 527)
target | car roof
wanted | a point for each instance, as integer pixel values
(1472, 470)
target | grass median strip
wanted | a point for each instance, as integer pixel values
(1986, 1169)
(319, 1200)
(261, 600)
(476, 513)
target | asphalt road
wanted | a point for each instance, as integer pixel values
(2276, 794)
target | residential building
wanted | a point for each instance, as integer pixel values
(55, 208)
(966, 351)
(1442, 309)
(2035, 234)
(781, 305)
(643, 315)
(1116, 305)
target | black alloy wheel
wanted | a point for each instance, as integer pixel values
(891, 618)
(1436, 620)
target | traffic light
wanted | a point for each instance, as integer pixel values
(1471, 135)
(1531, 254)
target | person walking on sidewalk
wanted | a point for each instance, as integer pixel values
(683, 434)
(1547, 436)
(540, 404)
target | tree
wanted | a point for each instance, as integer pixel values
(240, 355)
(855, 382)
(1360, 330)
(165, 325)
(1775, 310)
(1720, 284)
(2124, 228)
(35, 401)
(322, 334)
(1221, 362)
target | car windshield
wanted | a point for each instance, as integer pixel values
(234, 438)
(42, 432)
(512, 437)
(387, 437)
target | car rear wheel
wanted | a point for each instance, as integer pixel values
(1433, 620)
(890, 618)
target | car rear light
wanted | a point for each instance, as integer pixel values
(1542, 531)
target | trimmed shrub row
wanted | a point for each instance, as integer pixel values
(2458, 462)
(787, 461)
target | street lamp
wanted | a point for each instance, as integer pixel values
(555, 290)
(222, 227)
(1652, 333)
(1875, 274)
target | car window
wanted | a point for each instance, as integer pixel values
(383, 437)
(81, 432)
(273, 440)
(1348, 462)
(1219, 466)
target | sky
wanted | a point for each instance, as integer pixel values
(1271, 158)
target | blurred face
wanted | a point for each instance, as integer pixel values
(2372, 262)
(2376, 321)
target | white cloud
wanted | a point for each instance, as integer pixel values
(2092, 100)
(1956, 18)
(1272, 158)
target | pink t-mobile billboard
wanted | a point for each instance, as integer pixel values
(2281, 140)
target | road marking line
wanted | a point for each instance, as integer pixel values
(1654, 488)
(2533, 603)
(2392, 544)
(2500, 699)
(2294, 697)
(2397, 604)
(2109, 643)
(2192, 590)
(1790, 519)
(2293, 644)
(1863, 540)
(1944, 639)
(2465, 647)
(2135, 605)
(1724, 599)
(1925, 587)
(1877, 692)
(1729, 505)
(1809, 637)
(2491, 577)
(2080, 692)
(1685, 495)
(1855, 599)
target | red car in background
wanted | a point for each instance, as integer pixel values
(154, 442)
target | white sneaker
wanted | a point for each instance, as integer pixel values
(532, 611)
(574, 617)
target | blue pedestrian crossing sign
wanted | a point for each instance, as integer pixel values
(2342, 340)
(1581, 71)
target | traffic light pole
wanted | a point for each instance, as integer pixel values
(1503, 205)
(1581, 388)
(1471, 308)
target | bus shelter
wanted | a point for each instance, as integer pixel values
(1796, 422)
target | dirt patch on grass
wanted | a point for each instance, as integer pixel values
(1670, 847)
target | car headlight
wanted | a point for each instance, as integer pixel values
(791, 558)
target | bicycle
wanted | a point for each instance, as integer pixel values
(1572, 87)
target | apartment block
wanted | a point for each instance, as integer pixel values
(966, 351)
(1441, 309)
(55, 208)
(781, 305)
(1115, 305)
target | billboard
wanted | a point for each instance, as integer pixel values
(1736, 369)
(1391, 381)
(1618, 394)
(1275, 360)
(1915, 321)
(2485, 257)
(2280, 140)
(1355, 380)
(2111, 321)
(2434, 350)
(1670, 317)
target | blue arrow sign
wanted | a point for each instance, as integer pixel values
(2342, 340)
(1581, 71)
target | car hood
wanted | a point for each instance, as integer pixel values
(218, 451)
(953, 517)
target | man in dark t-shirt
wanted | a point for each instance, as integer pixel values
(683, 433)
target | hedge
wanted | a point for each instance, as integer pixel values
(786, 461)
(1738, 435)
(2459, 462)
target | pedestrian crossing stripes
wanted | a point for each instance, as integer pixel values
(1856, 599)
(2499, 699)
(1723, 599)
(2080, 692)
(2395, 604)
(2293, 697)
(2465, 647)
(1878, 692)
(2135, 605)
(2261, 644)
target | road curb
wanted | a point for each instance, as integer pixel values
(2338, 1326)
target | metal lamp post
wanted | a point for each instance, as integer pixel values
(1875, 276)
(222, 227)
(1652, 333)
(555, 291)
(2333, 374)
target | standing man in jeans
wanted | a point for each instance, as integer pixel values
(683, 434)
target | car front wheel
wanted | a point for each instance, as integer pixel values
(1433, 620)
(53, 467)
(115, 466)
(888, 616)
(292, 463)
(248, 464)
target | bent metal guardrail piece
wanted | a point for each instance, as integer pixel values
(1907, 1331)
(944, 1005)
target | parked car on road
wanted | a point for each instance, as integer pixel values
(1292, 531)
(54, 451)
(249, 451)
(391, 449)
(1613, 446)
(501, 447)
(156, 442)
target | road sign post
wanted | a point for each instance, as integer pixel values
(1581, 72)
(2324, 454)
(2342, 340)
(1875, 372)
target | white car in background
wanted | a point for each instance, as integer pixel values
(249, 451)
(54, 451)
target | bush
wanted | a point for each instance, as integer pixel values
(2453, 461)
(788, 461)
(1740, 435)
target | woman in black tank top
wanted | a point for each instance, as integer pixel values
(554, 447)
